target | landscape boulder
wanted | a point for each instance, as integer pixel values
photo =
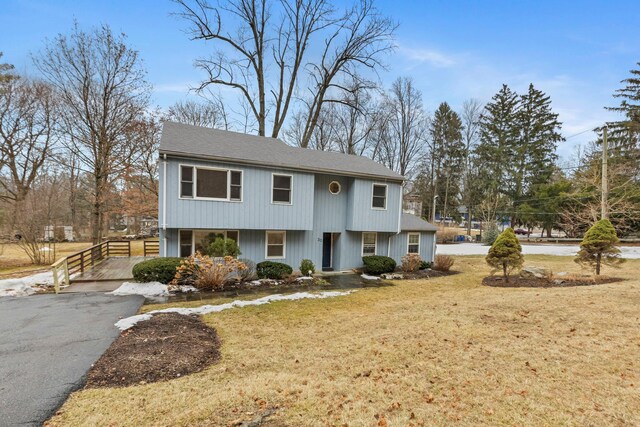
(531, 272)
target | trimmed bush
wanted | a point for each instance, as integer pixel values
(377, 264)
(161, 270)
(506, 253)
(307, 268)
(273, 270)
(600, 246)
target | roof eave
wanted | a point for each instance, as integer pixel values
(399, 178)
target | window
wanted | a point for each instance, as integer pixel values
(203, 238)
(334, 187)
(413, 243)
(281, 192)
(210, 183)
(186, 181)
(186, 243)
(236, 186)
(379, 199)
(276, 244)
(369, 243)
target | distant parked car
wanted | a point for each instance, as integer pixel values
(521, 231)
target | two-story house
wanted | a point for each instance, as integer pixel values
(281, 203)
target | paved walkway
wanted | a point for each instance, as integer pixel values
(47, 344)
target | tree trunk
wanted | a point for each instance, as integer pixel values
(598, 259)
(504, 272)
(469, 216)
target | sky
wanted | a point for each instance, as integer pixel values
(575, 51)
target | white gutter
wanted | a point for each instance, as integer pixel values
(399, 221)
(164, 205)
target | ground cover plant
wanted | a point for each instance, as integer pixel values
(440, 352)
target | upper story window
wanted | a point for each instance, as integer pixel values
(210, 183)
(379, 196)
(281, 188)
(413, 243)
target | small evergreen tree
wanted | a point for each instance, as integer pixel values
(506, 253)
(223, 247)
(599, 245)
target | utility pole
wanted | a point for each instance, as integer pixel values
(433, 213)
(604, 211)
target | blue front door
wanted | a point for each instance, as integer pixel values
(327, 251)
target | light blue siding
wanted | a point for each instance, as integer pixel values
(399, 246)
(255, 211)
(362, 217)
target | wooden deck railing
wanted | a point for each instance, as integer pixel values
(80, 261)
(151, 248)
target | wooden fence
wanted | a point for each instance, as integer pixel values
(151, 248)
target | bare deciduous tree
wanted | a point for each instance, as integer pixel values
(470, 116)
(265, 55)
(403, 130)
(27, 120)
(102, 87)
(209, 114)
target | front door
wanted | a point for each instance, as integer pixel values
(327, 252)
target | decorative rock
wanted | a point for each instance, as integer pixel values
(531, 272)
(392, 276)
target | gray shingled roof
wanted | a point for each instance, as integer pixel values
(409, 222)
(194, 141)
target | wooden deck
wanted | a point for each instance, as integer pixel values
(109, 270)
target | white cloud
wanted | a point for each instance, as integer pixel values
(429, 56)
(182, 87)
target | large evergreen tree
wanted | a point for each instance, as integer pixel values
(518, 139)
(446, 159)
(625, 134)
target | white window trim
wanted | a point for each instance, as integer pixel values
(193, 236)
(339, 188)
(375, 251)
(266, 244)
(408, 244)
(273, 174)
(386, 196)
(195, 183)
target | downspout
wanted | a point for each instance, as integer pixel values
(164, 205)
(399, 220)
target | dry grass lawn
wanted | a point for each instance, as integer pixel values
(14, 262)
(439, 352)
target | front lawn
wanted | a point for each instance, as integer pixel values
(430, 352)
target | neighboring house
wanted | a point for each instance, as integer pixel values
(281, 203)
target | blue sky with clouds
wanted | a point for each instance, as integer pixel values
(576, 51)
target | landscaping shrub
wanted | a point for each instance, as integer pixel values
(273, 270)
(161, 270)
(599, 246)
(425, 265)
(490, 235)
(443, 263)
(307, 268)
(205, 273)
(377, 264)
(223, 247)
(506, 253)
(411, 263)
(249, 272)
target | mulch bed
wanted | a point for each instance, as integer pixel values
(428, 274)
(164, 347)
(519, 282)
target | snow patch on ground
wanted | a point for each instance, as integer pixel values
(128, 322)
(367, 277)
(24, 286)
(150, 289)
(631, 252)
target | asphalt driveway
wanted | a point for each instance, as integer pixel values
(47, 345)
